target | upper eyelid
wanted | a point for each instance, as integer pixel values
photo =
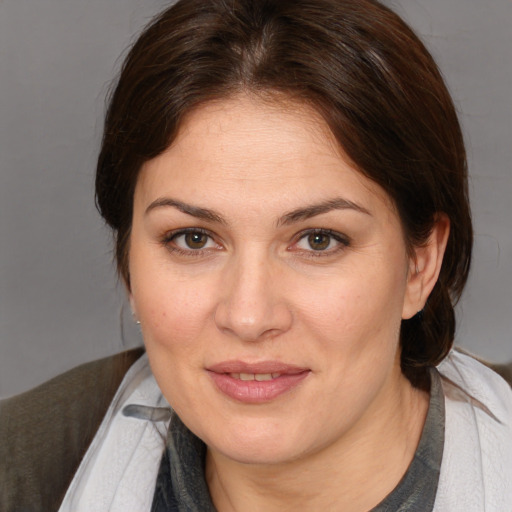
(169, 235)
(343, 242)
(330, 232)
(167, 241)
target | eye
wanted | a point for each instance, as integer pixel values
(193, 240)
(189, 241)
(321, 241)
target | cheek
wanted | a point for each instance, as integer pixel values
(170, 308)
(354, 309)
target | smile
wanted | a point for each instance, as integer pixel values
(256, 383)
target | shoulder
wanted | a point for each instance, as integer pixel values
(463, 372)
(45, 432)
(477, 461)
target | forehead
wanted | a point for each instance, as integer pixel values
(246, 147)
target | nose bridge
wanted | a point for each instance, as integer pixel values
(251, 306)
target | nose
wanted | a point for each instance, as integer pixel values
(253, 306)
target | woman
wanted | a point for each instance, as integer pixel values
(286, 183)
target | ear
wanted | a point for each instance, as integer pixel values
(424, 267)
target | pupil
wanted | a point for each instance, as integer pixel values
(195, 240)
(318, 241)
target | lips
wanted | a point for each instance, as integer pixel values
(257, 382)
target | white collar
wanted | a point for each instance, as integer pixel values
(476, 471)
(119, 470)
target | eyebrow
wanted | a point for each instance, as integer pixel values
(313, 210)
(297, 215)
(195, 211)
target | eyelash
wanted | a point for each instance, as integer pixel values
(168, 239)
(342, 240)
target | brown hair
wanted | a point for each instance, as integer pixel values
(358, 64)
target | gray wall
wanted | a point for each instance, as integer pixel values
(60, 302)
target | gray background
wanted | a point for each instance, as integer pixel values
(61, 304)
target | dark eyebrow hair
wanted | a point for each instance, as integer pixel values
(195, 211)
(288, 218)
(316, 209)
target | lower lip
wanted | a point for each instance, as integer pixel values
(256, 392)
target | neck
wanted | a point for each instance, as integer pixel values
(354, 474)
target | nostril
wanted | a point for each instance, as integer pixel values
(258, 324)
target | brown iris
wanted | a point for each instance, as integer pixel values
(196, 240)
(319, 241)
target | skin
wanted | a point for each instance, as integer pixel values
(257, 291)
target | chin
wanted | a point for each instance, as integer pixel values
(264, 443)
(260, 454)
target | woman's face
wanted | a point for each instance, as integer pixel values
(270, 279)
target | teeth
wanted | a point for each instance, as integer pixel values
(263, 376)
(260, 377)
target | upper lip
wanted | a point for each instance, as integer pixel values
(261, 367)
